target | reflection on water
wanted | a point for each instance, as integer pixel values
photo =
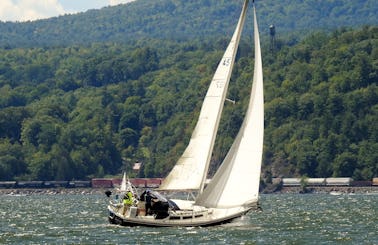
(286, 219)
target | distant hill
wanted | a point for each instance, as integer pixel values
(84, 112)
(88, 95)
(183, 20)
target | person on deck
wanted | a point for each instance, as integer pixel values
(127, 201)
(149, 200)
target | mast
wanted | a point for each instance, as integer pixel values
(190, 171)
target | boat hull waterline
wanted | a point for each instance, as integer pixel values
(214, 218)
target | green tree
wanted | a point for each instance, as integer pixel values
(344, 164)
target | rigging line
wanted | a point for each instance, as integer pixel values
(230, 100)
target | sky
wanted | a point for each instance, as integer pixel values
(24, 10)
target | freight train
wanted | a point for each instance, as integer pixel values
(292, 182)
(155, 182)
(45, 184)
(94, 183)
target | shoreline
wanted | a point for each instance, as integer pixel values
(332, 190)
(52, 191)
(284, 190)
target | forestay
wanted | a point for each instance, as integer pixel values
(236, 183)
(191, 169)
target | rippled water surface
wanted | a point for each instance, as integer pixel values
(286, 219)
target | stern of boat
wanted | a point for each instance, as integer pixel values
(113, 218)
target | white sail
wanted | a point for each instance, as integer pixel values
(190, 170)
(236, 183)
(124, 183)
(127, 186)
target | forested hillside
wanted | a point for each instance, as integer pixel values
(321, 106)
(185, 20)
(79, 112)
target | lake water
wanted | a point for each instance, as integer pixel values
(286, 219)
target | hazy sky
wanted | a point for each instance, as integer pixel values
(23, 10)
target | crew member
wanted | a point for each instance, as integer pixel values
(127, 201)
(149, 200)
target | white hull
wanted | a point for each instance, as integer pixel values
(198, 216)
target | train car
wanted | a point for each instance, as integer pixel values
(7, 184)
(102, 183)
(79, 184)
(291, 182)
(307, 181)
(361, 183)
(116, 182)
(56, 184)
(153, 183)
(339, 181)
(138, 182)
(30, 184)
(374, 182)
(316, 181)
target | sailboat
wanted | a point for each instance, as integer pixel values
(226, 197)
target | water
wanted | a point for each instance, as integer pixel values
(286, 219)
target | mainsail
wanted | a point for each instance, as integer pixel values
(190, 171)
(236, 182)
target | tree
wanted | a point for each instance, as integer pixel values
(344, 164)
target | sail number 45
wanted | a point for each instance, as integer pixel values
(227, 61)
